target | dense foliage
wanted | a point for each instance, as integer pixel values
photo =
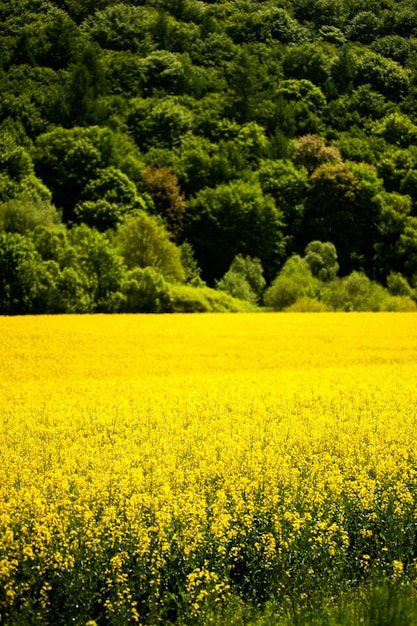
(243, 129)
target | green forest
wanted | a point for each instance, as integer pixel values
(181, 155)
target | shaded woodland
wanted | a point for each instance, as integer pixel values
(188, 155)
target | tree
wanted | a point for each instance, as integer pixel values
(393, 166)
(86, 87)
(158, 122)
(122, 27)
(384, 75)
(163, 70)
(28, 284)
(399, 286)
(310, 151)
(356, 292)
(287, 184)
(299, 105)
(191, 268)
(53, 244)
(284, 27)
(67, 160)
(397, 129)
(364, 27)
(162, 186)
(308, 61)
(146, 291)
(17, 175)
(107, 199)
(102, 268)
(244, 279)
(234, 218)
(322, 259)
(396, 246)
(294, 281)
(18, 269)
(23, 214)
(330, 210)
(143, 242)
(100, 214)
(63, 42)
(244, 86)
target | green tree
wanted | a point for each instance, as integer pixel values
(17, 174)
(399, 286)
(364, 27)
(18, 270)
(67, 160)
(393, 166)
(28, 284)
(356, 292)
(287, 184)
(244, 279)
(146, 291)
(23, 214)
(299, 106)
(397, 129)
(330, 210)
(163, 70)
(294, 281)
(396, 247)
(234, 218)
(161, 123)
(384, 75)
(191, 268)
(321, 257)
(107, 199)
(87, 85)
(102, 268)
(62, 42)
(244, 85)
(53, 244)
(122, 27)
(143, 242)
(308, 61)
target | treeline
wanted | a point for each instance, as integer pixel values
(193, 155)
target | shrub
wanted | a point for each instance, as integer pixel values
(146, 291)
(305, 304)
(322, 259)
(294, 281)
(356, 292)
(188, 299)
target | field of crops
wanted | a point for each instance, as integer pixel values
(162, 469)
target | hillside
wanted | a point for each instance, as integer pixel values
(145, 148)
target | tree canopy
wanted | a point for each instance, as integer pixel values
(237, 130)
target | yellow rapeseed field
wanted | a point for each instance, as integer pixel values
(153, 467)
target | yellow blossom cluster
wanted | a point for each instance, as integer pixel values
(152, 467)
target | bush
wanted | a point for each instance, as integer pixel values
(356, 292)
(322, 259)
(399, 286)
(308, 305)
(244, 279)
(403, 304)
(294, 281)
(146, 291)
(188, 299)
